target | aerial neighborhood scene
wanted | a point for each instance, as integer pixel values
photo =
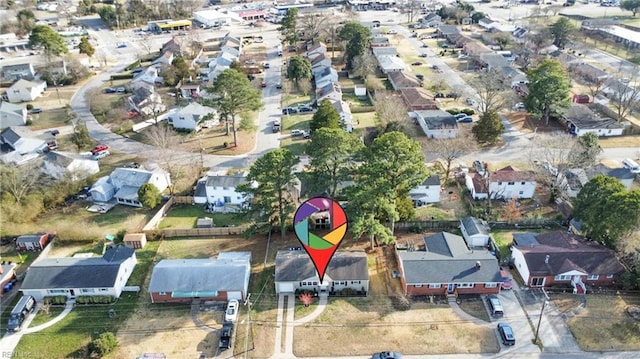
(310, 178)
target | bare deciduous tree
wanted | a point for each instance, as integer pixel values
(304, 85)
(312, 25)
(490, 90)
(364, 65)
(625, 94)
(449, 150)
(165, 139)
(18, 181)
(390, 108)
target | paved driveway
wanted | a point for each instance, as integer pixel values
(517, 318)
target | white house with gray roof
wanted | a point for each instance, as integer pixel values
(220, 191)
(427, 192)
(346, 270)
(70, 165)
(18, 71)
(25, 90)
(437, 123)
(474, 231)
(12, 115)
(189, 117)
(208, 279)
(123, 184)
(21, 145)
(444, 265)
(79, 276)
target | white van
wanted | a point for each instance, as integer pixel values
(631, 165)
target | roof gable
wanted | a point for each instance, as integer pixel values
(294, 266)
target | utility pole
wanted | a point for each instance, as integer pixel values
(544, 304)
(246, 340)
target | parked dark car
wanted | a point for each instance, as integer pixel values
(420, 77)
(423, 55)
(506, 334)
(452, 95)
(289, 110)
(417, 63)
(225, 336)
(387, 355)
(466, 119)
(305, 108)
(439, 95)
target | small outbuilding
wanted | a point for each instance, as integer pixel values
(206, 222)
(135, 240)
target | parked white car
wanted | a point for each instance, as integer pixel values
(231, 315)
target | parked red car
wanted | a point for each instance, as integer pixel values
(581, 98)
(99, 148)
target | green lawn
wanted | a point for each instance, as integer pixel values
(42, 318)
(431, 212)
(364, 119)
(49, 118)
(74, 331)
(185, 216)
(295, 99)
(298, 122)
(503, 239)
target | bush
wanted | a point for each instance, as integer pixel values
(55, 300)
(132, 66)
(468, 111)
(121, 77)
(401, 302)
(453, 111)
(362, 109)
(103, 345)
(95, 299)
(29, 107)
(29, 122)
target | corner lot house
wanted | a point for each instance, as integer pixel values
(427, 192)
(446, 266)
(123, 185)
(437, 123)
(561, 259)
(25, 90)
(347, 272)
(71, 277)
(183, 280)
(475, 233)
(12, 115)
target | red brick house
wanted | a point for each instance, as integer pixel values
(208, 279)
(561, 259)
(34, 242)
(418, 99)
(444, 265)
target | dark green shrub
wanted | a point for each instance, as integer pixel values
(29, 107)
(132, 66)
(468, 111)
(121, 77)
(103, 345)
(453, 111)
(55, 300)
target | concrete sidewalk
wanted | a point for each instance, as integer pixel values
(290, 323)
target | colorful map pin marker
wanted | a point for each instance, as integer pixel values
(320, 248)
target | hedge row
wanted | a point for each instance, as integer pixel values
(55, 300)
(95, 299)
(132, 66)
(362, 109)
(122, 77)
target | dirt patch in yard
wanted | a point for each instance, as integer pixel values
(526, 124)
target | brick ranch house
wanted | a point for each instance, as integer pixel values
(561, 259)
(446, 266)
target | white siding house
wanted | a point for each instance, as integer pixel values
(474, 232)
(220, 191)
(189, 117)
(511, 183)
(123, 185)
(427, 192)
(345, 114)
(437, 123)
(12, 115)
(25, 90)
(61, 164)
(72, 276)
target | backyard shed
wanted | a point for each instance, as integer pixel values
(205, 222)
(135, 240)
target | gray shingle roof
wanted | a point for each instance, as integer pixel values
(433, 180)
(525, 239)
(294, 266)
(225, 181)
(95, 272)
(448, 260)
(29, 238)
(473, 226)
(199, 275)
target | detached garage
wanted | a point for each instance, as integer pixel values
(208, 279)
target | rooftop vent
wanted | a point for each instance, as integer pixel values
(546, 259)
(478, 265)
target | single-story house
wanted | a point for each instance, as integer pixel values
(437, 123)
(25, 90)
(475, 49)
(563, 259)
(165, 59)
(183, 280)
(345, 114)
(504, 183)
(384, 51)
(189, 117)
(513, 77)
(389, 64)
(135, 240)
(492, 61)
(326, 76)
(346, 271)
(446, 266)
(379, 41)
(572, 181)
(147, 79)
(319, 62)
(402, 80)
(81, 276)
(12, 115)
(475, 232)
(34, 242)
(427, 192)
(66, 164)
(18, 71)
(445, 30)
(623, 174)
(581, 120)
(7, 274)
(418, 99)
(220, 191)
(431, 20)
(123, 185)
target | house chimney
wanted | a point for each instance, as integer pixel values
(478, 265)
(546, 259)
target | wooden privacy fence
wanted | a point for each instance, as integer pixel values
(428, 225)
(183, 199)
(203, 232)
(155, 220)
